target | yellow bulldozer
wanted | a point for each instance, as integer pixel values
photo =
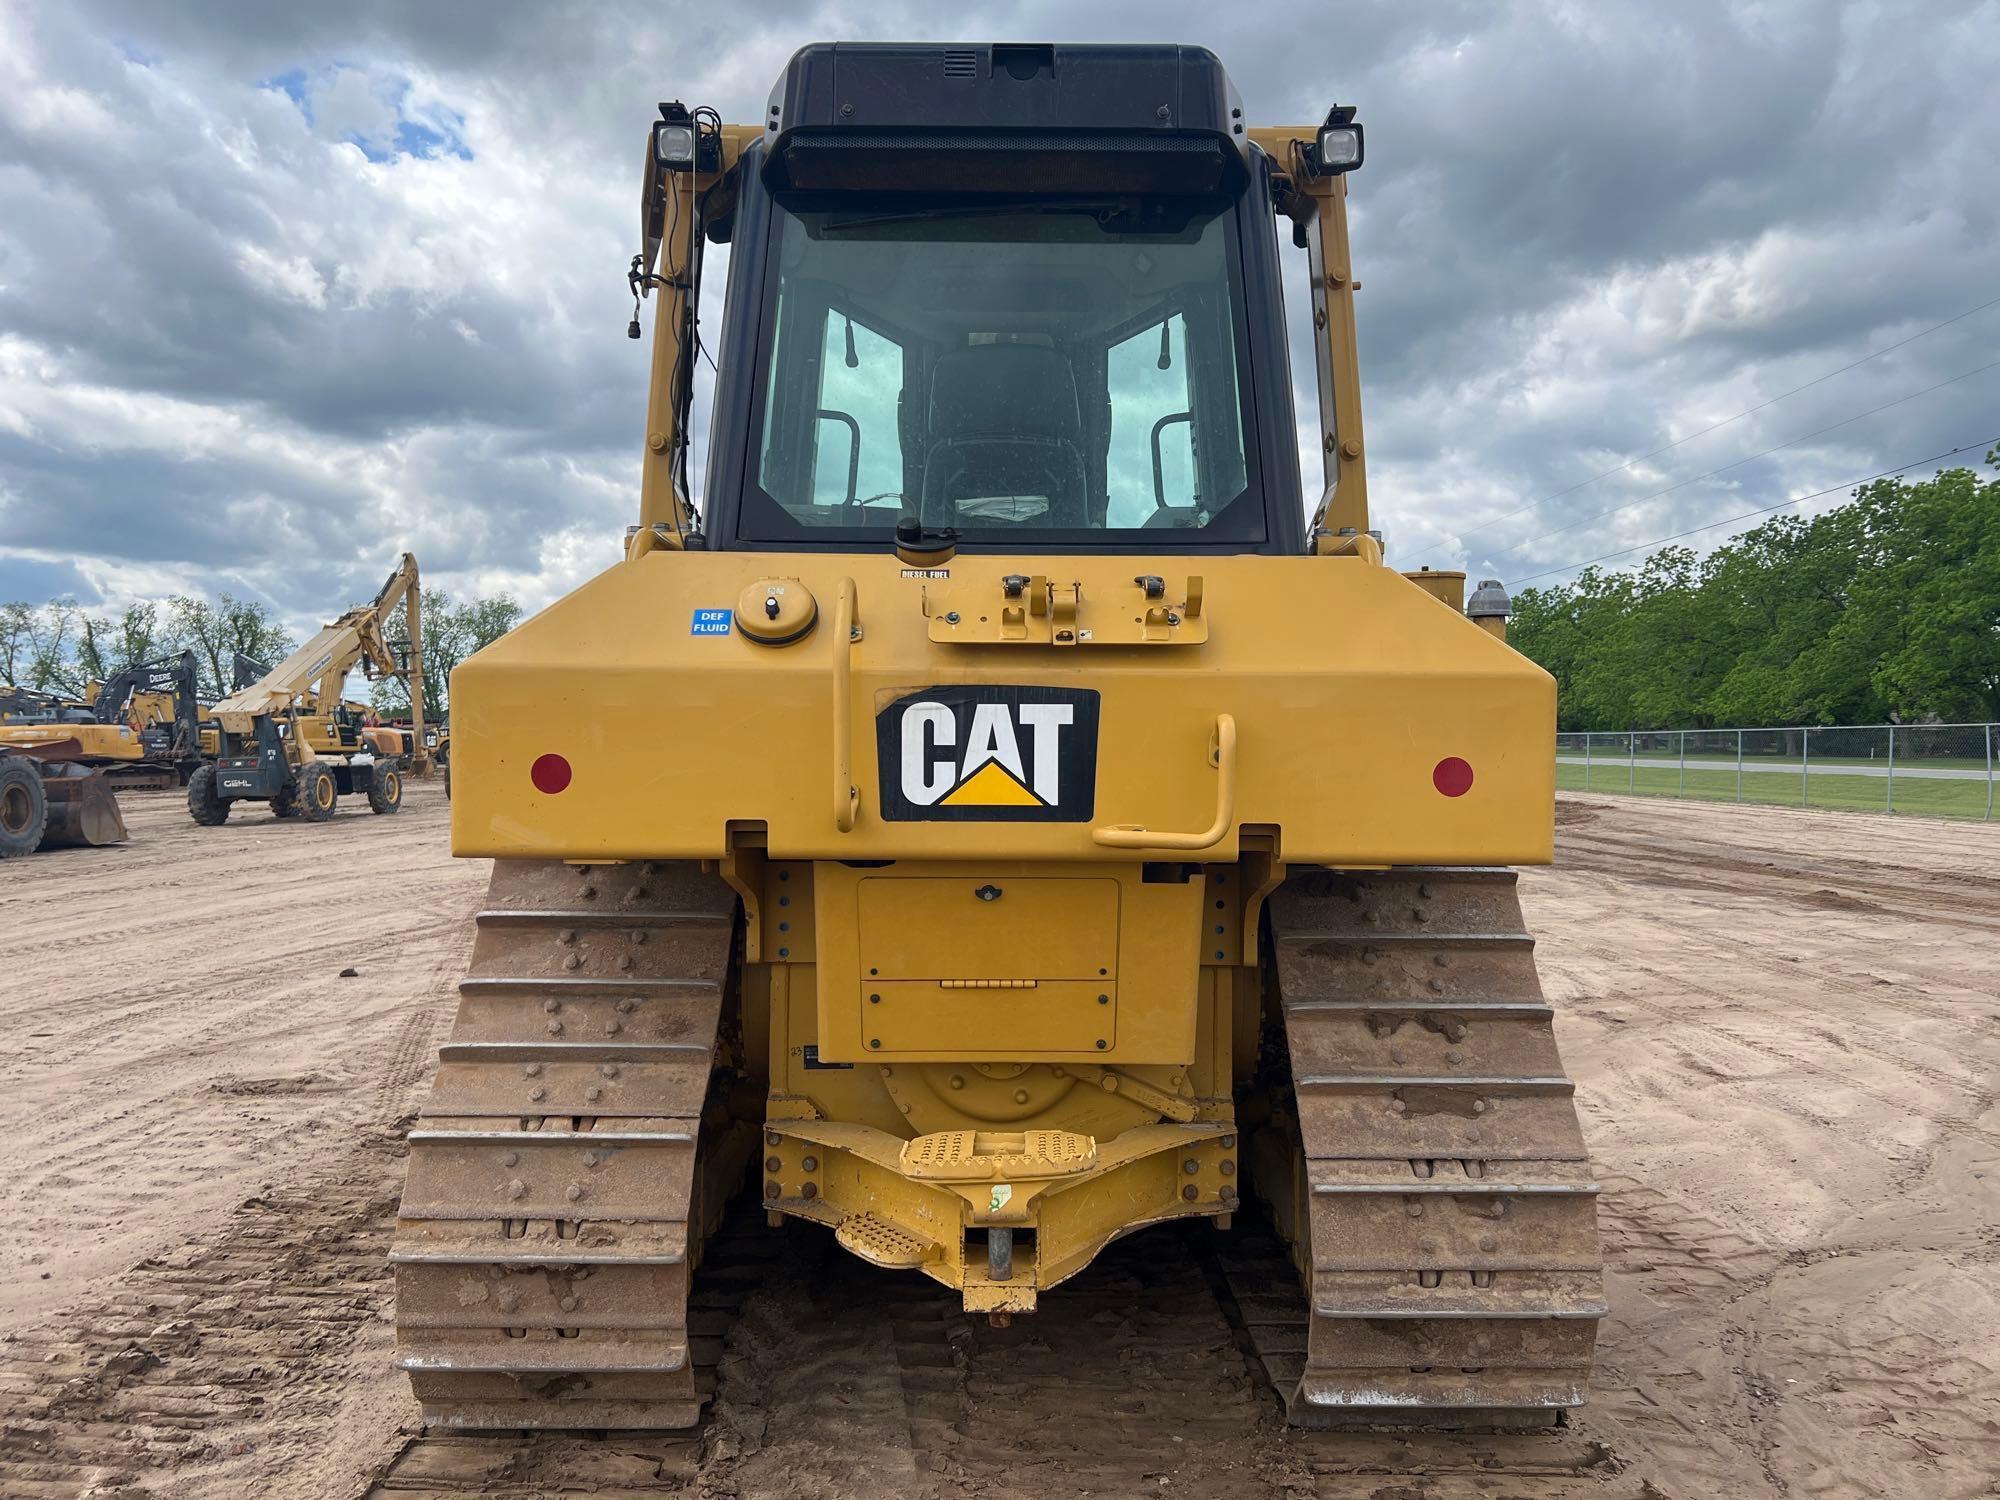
(286, 736)
(1011, 813)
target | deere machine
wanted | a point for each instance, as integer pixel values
(290, 740)
(62, 760)
(1013, 812)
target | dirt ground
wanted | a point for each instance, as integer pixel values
(1785, 1028)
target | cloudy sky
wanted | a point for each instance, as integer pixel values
(284, 288)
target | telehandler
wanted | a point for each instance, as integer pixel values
(1011, 813)
(289, 739)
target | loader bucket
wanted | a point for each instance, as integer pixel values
(83, 810)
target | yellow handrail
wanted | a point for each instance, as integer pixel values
(846, 795)
(1222, 756)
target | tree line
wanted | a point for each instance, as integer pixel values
(453, 630)
(1884, 609)
(61, 647)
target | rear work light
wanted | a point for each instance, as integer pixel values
(1340, 146)
(673, 145)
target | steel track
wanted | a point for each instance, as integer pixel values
(569, 1161)
(1425, 1162)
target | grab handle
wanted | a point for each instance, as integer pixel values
(846, 795)
(1222, 756)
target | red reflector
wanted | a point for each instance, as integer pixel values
(550, 774)
(1451, 776)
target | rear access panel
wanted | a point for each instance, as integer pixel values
(930, 963)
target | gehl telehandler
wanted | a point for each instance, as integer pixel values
(1008, 815)
(290, 740)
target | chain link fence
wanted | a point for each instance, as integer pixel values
(1942, 770)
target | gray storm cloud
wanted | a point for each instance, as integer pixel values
(284, 289)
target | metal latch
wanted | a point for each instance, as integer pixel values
(1063, 600)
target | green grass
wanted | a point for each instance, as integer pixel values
(1715, 757)
(1938, 799)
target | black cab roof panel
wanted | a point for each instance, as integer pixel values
(961, 106)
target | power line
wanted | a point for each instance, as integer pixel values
(1739, 463)
(1762, 510)
(1746, 412)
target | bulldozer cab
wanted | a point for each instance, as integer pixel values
(1000, 372)
(1079, 350)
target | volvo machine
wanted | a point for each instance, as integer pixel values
(290, 740)
(1012, 812)
(63, 760)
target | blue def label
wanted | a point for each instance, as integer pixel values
(712, 621)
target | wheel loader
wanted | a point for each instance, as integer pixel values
(54, 793)
(62, 761)
(288, 739)
(1012, 812)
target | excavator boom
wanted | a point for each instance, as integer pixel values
(286, 736)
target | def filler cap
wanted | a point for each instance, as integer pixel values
(776, 611)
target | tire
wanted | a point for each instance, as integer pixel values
(447, 781)
(24, 807)
(385, 788)
(206, 806)
(316, 792)
(286, 803)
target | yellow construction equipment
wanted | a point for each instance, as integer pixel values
(1009, 814)
(62, 760)
(289, 739)
(53, 798)
(441, 753)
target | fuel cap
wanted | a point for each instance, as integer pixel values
(776, 611)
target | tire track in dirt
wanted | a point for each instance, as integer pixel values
(178, 1371)
(839, 1379)
(158, 1081)
(1887, 1043)
(1863, 888)
(1777, 1327)
(1927, 860)
(1956, 1122)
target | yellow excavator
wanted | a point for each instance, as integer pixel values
(62, 760)
(1013, 812)
(289, 739)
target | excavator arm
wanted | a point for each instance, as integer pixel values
(314, 674)
(169, 677)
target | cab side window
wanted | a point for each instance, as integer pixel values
(860, 387)
(1152, 425)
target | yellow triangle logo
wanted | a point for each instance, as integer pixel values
(992, 785)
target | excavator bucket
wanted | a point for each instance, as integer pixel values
(83, 810)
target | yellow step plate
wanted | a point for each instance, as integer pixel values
(881, 1243)
(998, 1156)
